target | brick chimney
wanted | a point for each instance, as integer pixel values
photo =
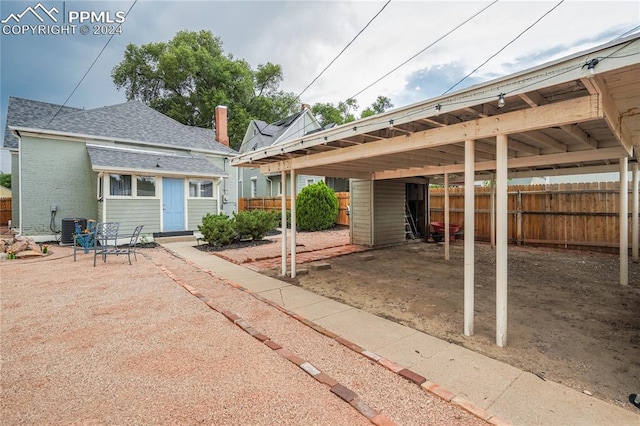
(221, 125)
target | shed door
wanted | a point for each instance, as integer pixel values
(173, 204)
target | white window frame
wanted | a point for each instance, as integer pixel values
(105, 187)
(199, 190)
(254, 187)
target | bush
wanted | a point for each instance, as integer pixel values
(317, 207)
(217, 229)
(277, 214)
(254, 223)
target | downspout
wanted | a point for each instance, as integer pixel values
(270, 186)
(20, 197)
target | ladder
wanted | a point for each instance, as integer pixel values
(410, 229)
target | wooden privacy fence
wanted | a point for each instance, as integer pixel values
(570, 215)
(5, 211)
(275, 203)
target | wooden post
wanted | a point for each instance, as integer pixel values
(624, 221)
(469, 235)
(427, 211)
(493, 211)
(501, 239)
(293, 223)
(446, 216)
(635, 232)
(283, 218)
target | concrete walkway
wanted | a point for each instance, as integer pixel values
(494, 389)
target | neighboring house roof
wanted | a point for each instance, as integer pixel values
(21, 112)
(261, 134)
(5, 192)
(105, 158)
(128, 122)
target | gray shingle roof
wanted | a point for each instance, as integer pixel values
(21, 112)
(130, 121)
(267, 134)
(107, 158)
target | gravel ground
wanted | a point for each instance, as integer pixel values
(121, 344)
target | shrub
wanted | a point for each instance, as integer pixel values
(254, 223)
(317, 207)
(278, 217)
(217, 229)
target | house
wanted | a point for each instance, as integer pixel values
(259, 135)
(125, 163)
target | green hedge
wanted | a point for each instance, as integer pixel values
(316, 207)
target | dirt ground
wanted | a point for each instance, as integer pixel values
(570, 320)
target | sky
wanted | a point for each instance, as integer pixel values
(304, 37)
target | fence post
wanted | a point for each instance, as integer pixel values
(519, 238)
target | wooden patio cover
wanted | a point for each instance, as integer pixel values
(579, 114)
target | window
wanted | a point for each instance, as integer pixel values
(100, 187)
(280, 188)
(146, 186)
(254, 187)
(120, 185)
(310, 181)
(201, 188)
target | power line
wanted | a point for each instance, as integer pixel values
(423, 50)
(88, 70)
(504, 47)
(343, 50)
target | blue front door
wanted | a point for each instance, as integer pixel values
(173, 204)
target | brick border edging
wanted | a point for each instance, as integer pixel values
(334, 386)
(342, 392)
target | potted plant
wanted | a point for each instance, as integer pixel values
(45, 249)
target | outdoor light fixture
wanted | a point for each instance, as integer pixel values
(591, 66)
(438, 108)
(501, 100)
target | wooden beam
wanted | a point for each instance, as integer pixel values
(533, 161)
(580, 135)
(336, 173)
(612, 116)
(561, 113)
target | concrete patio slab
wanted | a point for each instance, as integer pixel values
(322, 309)
(466, 373)
(533, 401)
(291, 297)
(365, 329)
(413, 349)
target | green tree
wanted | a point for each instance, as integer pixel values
(5, 180)
(187, 77)
(345, 112)
(381, 104)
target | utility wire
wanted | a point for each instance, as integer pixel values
(88, 70)
(423, 50)
(342, 51)
(504, 47)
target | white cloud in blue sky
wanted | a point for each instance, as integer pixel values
(304, 36)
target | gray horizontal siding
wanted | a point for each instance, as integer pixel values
(360, 220)
(389, 211)
(133, 212)
(197, 208)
